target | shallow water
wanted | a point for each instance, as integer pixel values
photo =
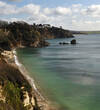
(68, 75)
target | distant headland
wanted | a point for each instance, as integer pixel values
(20, 34)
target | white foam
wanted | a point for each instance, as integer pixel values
(16, 59)
(23, 71)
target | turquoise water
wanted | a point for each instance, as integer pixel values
(68, 75)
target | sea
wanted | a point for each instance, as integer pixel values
(67, 75)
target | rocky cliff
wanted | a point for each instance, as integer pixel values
(15, 91)
(19, 34)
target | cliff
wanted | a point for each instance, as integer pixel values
(21, 34)
(15, 90)
(50, 32)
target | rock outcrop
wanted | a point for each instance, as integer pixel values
(73, 41)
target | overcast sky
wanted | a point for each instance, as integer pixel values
(71, 14)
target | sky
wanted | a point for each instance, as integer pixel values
(70, 14)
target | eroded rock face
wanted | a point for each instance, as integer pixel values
(8, 56)
(2, 97)
(15, 88)
(28, 100)
(37, 44)
(73, 41)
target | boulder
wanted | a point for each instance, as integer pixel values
(73, 41)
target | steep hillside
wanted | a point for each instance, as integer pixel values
(19, 34)
(15, 91)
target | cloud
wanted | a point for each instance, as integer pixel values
(74, 17)
(41, 18)
(6, 9)
(57, 11)
(86, 24)
(77, 5)
(35, 13)
(29, 9)
(76, 8)
(93, 10)
(12, 0)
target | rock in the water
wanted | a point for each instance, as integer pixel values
(73, 41)
(63, 43)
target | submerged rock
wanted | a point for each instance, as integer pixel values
(73, 41)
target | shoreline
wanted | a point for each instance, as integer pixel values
(37, 99)
(25, 74)
(42, 102)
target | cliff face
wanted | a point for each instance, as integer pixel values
(15, 91)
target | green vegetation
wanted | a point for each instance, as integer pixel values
(17, 34)
(12, 74)
(13, 96)
(11, 81)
